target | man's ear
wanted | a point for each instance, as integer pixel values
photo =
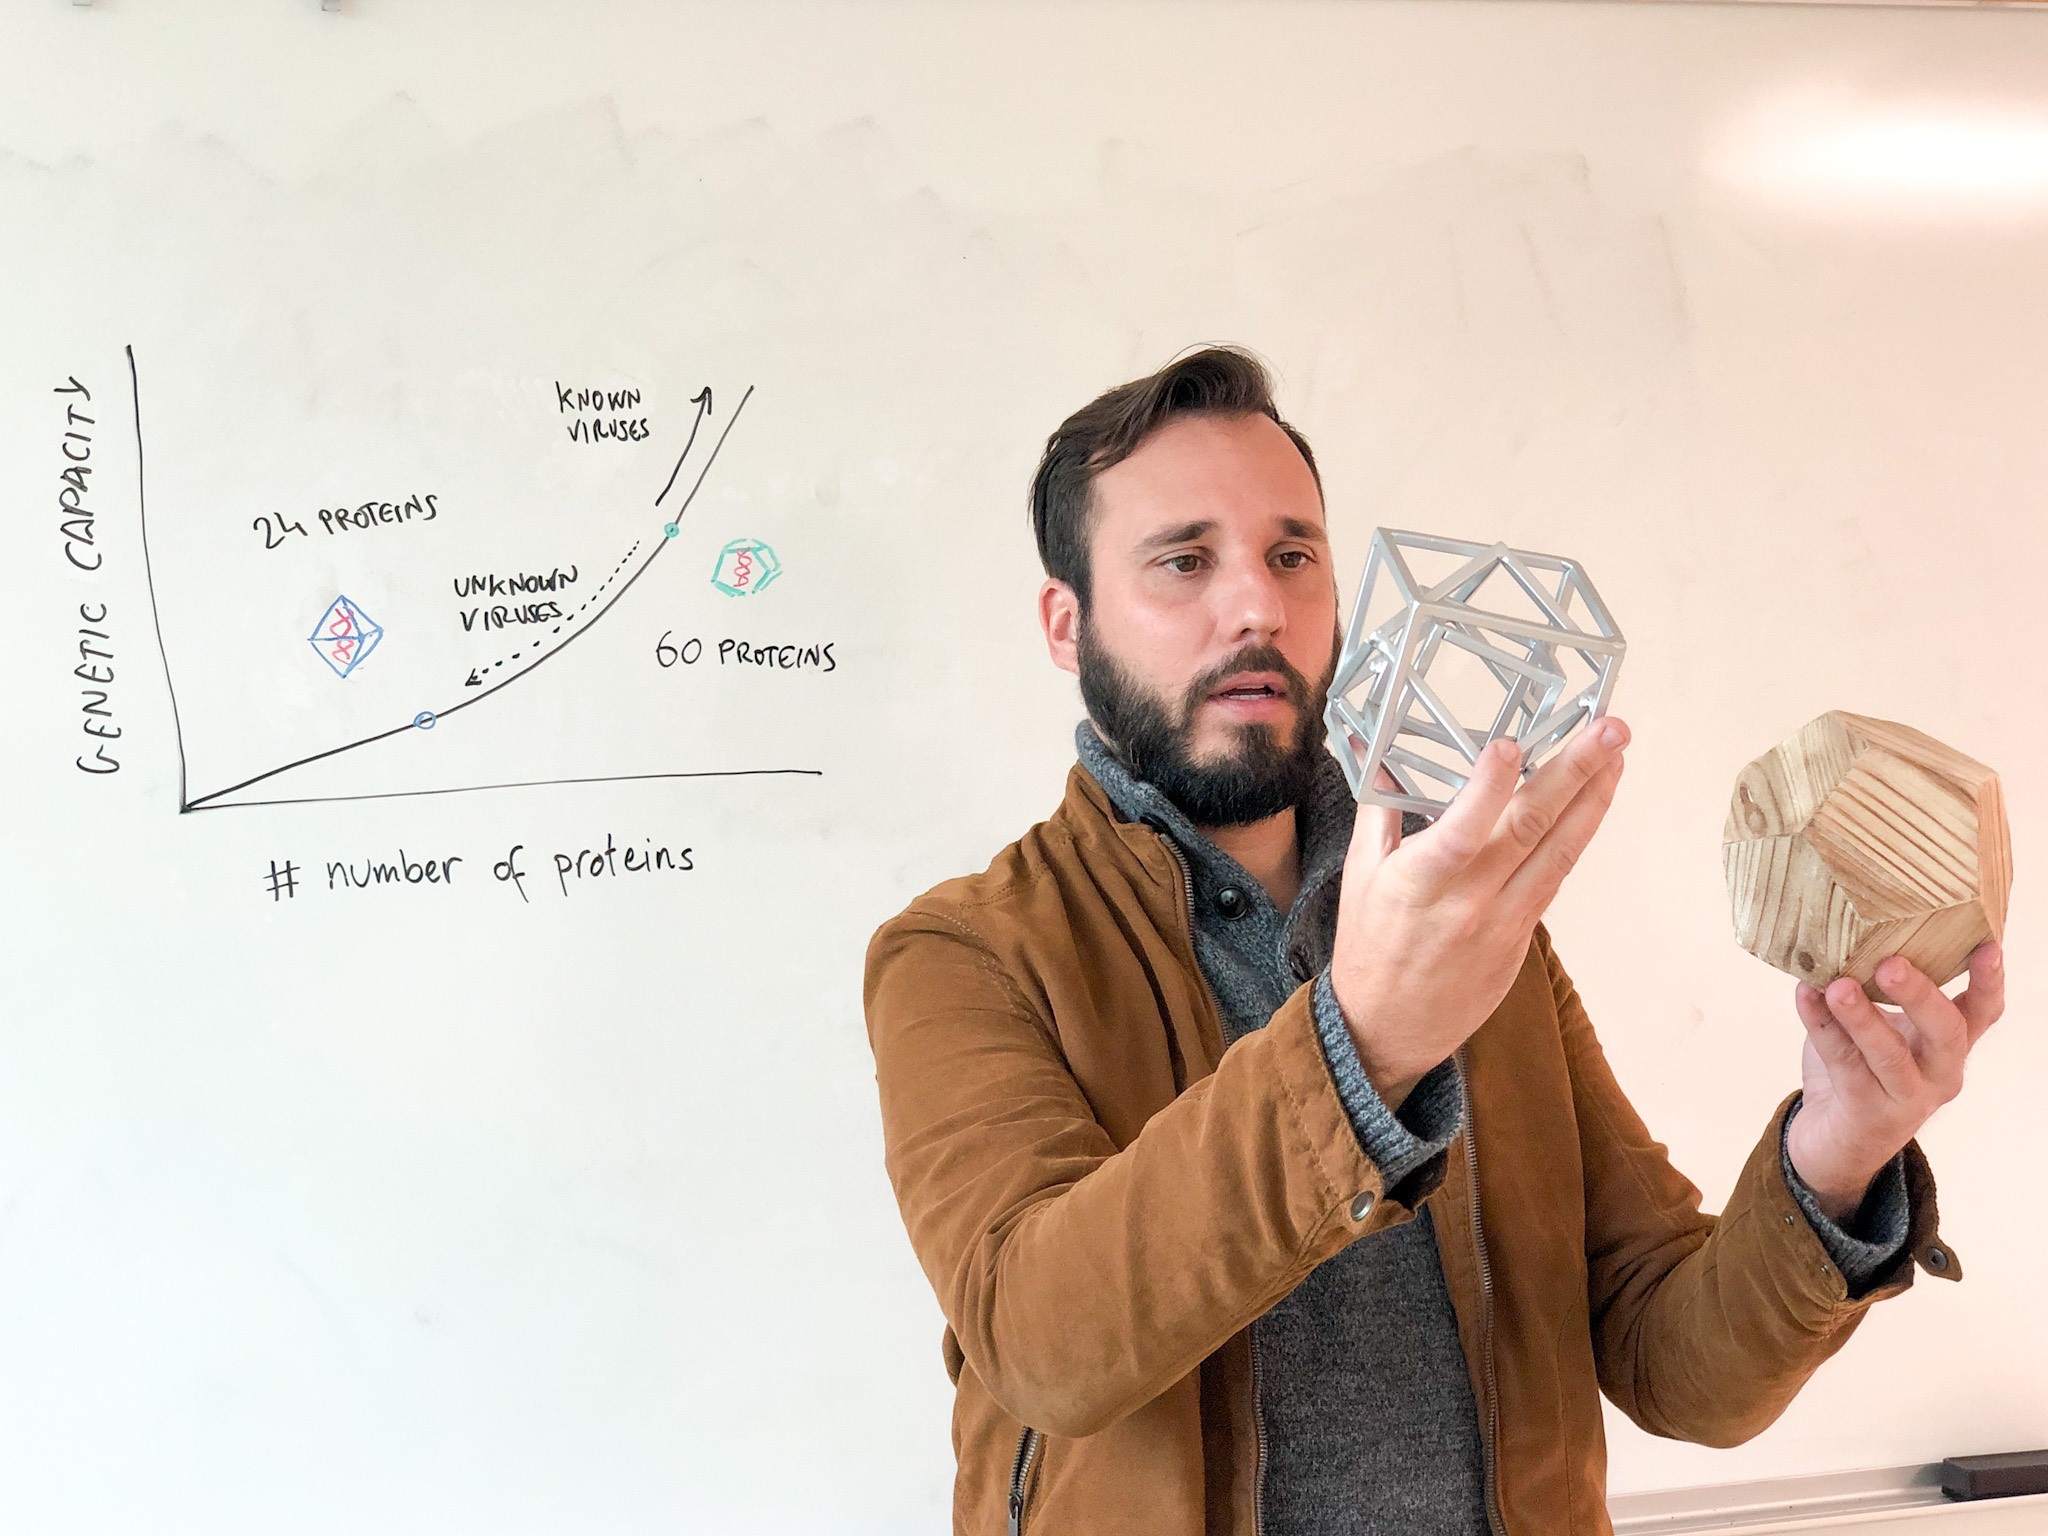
(1059, 615)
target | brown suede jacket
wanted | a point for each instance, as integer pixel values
(1104, 1198)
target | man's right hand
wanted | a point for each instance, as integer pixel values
(1433, 930)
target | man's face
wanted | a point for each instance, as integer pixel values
(1212, 625)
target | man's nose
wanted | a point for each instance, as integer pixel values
(1250, 602)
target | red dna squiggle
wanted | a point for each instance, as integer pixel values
(343, 629)
(742, 567)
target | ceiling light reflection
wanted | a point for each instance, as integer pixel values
(1893, 160)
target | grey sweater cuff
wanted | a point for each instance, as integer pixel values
(1876, 1234)
(1397, 1143)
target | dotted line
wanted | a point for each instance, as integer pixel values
(567, 619)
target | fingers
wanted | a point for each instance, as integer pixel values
(1983, 1000)
(1550, 791)
(1838, 1053)
(1462, 833)
(1884, 1050)
(1535, 880)
(1937, 1024)
(1376, 833)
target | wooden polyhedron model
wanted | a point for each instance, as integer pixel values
(1518, 640)
(1858, 839)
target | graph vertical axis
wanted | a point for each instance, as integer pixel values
(156, 620)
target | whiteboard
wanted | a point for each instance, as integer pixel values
(339, 1195)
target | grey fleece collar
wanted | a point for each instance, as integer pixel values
(1322, 822)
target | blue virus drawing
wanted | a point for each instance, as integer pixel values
(745, 566)
(345, 636)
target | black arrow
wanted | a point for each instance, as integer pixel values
(701, 400)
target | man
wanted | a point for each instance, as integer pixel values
(1265, 1164)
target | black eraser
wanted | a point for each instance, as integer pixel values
(1995, 1477)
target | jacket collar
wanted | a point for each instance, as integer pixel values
(1323, 820)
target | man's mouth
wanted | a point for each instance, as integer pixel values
(1252, 687)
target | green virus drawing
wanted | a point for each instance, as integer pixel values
(744, 567)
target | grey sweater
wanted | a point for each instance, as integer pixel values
(1364, 1399)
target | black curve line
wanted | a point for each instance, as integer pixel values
(702, 400)
(538, 662)
(472, 789)
(149, 577)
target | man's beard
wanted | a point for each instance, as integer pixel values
(1256, 776)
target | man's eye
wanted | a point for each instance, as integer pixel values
(1293, 559)
(1185, 565)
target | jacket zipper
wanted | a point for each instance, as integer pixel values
(1258, 1437)
(1187, 881)
(1020, 1474)
(1490, 1432)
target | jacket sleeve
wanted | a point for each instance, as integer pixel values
(1080, 1279)
(1704, 1328)
(1401, 1141)
(1876, 1234)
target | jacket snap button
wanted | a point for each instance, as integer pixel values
(1362, 1204)
(1230, 901)
(1937, 1259)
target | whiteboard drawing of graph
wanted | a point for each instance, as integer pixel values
(430, 600)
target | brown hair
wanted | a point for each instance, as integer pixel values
(1216, 381)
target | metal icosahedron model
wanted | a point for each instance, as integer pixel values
(1518, 640)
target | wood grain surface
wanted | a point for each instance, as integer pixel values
(1859, 838)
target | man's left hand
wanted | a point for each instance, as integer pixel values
(1873, 1076)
